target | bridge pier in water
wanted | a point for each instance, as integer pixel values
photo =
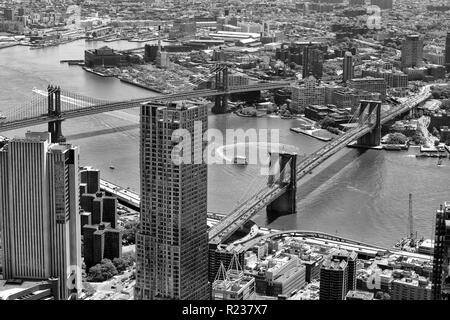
(285, 204)
(373, 108)
(221, 83)
(54, 110)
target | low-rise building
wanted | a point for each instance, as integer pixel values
(411, 289)
(103, 56)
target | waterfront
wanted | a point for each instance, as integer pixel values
(364, 197)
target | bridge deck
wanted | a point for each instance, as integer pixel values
(88, 108)
(248, 209)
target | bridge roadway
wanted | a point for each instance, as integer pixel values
(221, 231)
(133, 103)
(331, 240)
(131, 199)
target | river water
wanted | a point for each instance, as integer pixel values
(356, 194)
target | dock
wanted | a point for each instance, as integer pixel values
(140, 85)
(97, 73)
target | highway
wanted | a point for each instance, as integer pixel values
(132, 199)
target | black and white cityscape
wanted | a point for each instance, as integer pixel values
(225, 150)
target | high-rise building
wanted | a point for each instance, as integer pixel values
(101, 242)
(350, 258)
(312, 62)
(333, 279)
(447, 52)
(441, 259)
(172, 240)
(90, 180)
(348, 68)
(39, 211)
(412, 51)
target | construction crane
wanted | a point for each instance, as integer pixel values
(411, 221)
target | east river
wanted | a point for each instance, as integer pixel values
(362, 195)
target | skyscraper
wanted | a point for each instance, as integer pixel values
(172, 240)
(348, 73)
(333, 279)
(441, 254)
(412, 51)
(312, 62)
(447, 52)
(39, 211)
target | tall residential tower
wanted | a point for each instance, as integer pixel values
(172, 240)
(348, 68)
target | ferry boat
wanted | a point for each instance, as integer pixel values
(2, 117)
(240, 160)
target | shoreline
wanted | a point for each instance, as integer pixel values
(298, 130)
(140, 85)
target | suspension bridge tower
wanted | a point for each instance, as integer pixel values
(221, 83)
(283, 173)
(54, 111)
(371, 111)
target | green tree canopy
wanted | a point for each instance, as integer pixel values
(397, 138)
(327, 122)
(102, 271)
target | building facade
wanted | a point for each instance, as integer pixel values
(172, 240)
(447, 52)
(369, 84)
(411, 289)
(412, 52)
(348, 69)
(312, 62)
(39, 211)
(307, 94)
(333, 279)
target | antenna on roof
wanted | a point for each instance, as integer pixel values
(221, 281)
(235, 270)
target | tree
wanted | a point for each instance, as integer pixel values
(445, 104)
(129, 232)
(327, 122)
(270, 109)
(435, 132)
(418, 138)
(397, 138)
(120, 264)
(102, 271)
